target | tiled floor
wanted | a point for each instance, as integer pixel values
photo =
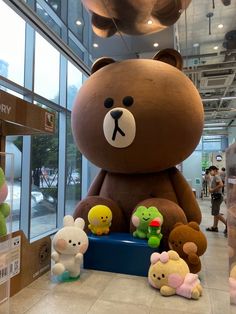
(108, 293)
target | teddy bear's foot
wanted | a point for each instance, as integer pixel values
(168, 12)
(195, 294)
(58, 269)
(74, 274)
(153, 242)
(103, 26)
(118, 223)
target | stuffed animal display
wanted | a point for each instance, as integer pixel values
(141, 219)
(69, 243)
(99, 218)
(4, 207)
(170, 274)
(154, 234)
(190, 243)
(129, 119)
(134, 17)
(232, 285)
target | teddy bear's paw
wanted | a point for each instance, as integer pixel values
(58, 269)
(195, 294)
(199, 287)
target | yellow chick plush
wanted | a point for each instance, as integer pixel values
(99, 218)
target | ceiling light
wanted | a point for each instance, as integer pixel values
(196, 45)
(149, 22)
(78, 22)
(95, 45)
(220, 26)
(210, 99)
(155, 44)
(216, 48)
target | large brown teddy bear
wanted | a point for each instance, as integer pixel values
(190, 243)
(132, 16)
(136, 120)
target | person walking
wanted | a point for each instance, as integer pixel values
(216, 199)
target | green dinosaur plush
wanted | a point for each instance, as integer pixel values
(141, 219)
(4, 207)
(154, 234)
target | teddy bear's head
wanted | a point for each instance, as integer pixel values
(167, 269)
(138, 116)
(71, 239)
(187, 239)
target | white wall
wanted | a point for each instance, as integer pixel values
(192, 171)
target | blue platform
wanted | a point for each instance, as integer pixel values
(118, 253)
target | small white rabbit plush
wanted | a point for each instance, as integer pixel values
(69, 243)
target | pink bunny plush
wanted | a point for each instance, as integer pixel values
(170, 273)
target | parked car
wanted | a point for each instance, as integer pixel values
(42, 202)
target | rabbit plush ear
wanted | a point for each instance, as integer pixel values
(68, 221)
(79, 223)
(173, 255)
(155, 258)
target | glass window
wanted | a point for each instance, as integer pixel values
(73, 171)
(55, 5)
(75, 48)
(47, 60)
(14, 146)
(75, 18)
(44, 154)
(12, 34)
(47, 19)
(74, 82)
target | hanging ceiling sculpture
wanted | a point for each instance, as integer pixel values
(133, 17)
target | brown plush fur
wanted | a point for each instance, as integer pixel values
(190, 243)
(131, 16)
(168, 116)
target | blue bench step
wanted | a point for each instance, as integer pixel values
(118, 253)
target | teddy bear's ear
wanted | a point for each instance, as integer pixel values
(173, 255)
(194, 225)
(79, 223)
(68, 221)
(178, 224)
(170, 56)
(100, 63)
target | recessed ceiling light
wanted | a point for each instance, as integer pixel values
(78, 22)
(220, 26)
(95, 45)
(196, 45)
(149, 22)
(216, 48)
(155, 44)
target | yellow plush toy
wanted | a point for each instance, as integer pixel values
(170, 273)
(232, 285)
(99, 218)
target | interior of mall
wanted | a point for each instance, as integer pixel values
(127, 108)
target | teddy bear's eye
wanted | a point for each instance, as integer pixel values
(108, 103)
(154, 275)
(70, 241)
(78, 243)
(180, 242)
(128, 101)
(163, 276)
(106, 217)
(102, 217)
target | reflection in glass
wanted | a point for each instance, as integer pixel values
(75, 18)
(47, 19)
(74, 82)
(44, 154)
(46, 69)
(73, 171)
(14, 146)
(12, 34)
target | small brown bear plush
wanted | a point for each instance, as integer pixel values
(132, 16)
(137, 119)
(190, 243)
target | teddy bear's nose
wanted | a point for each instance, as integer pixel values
(74, 244)
(116, 114)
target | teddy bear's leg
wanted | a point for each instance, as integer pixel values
(168, 11)
(195, 293)
(118, 224)
(171, 212)
(58, 269)
(103, 26)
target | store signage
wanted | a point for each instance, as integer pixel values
(5, 109)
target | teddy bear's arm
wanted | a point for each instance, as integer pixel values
(185, 196)
(168, 11)
(167, 291)
(97, 183)
(78, 258)
(55, 257)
